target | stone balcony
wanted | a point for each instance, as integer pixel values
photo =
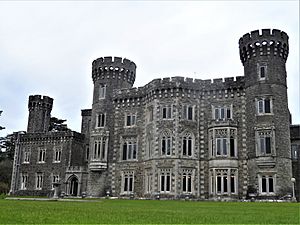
(97, 165)
(222, 123)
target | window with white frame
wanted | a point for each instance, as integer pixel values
(187, 181)
(100, 148)
(101, 120)
(26, 155)
(102, 91)
(24, 181)
(129, 150)
(221, 113)
(262, 71)
(264, 105)
(223, 181)
(264, 142)
(266, 184)
(57, 154)
(128, 182)
(55, 179)
(41, 155)
(148, 182)
(223, 142)
(130, 120)
(188, 112)
(187, 144)
(39, 181)
(166, 143)
(167, 112)
(165, 181)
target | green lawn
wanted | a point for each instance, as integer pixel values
(146, 212)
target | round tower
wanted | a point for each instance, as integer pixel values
(264, 58)
(39, 113)
(108, 74)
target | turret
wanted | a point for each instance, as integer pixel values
(39, 113)
(264, 58)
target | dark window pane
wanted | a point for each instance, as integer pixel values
(162, 183)
(262, 72)
(263, 184)
(228, 113)
(168, 183)
(190, 147)
(189, 184)
(225, 184)
(130, 183)
(125, 151)
(126, 184)
(216, 113)
(218, 184)
(232, 184)
(184, 146)
(268, 145)
(267, 106)
(190, 113)
(164, 113)
(271, 184)
(163, 146)
(232, 147)
(184, 183)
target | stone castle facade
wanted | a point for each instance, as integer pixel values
(172, 138)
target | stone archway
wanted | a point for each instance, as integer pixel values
(73, 186)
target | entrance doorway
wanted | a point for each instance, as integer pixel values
(73, 184)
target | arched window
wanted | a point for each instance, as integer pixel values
(166, 143)
(187, 144)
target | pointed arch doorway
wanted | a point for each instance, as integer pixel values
(73, 186)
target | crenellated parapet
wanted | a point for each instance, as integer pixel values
(179, 86)
(268, 42)
(114, 68)
(40, 102)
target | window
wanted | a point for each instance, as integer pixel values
(41, 155)
(187, 144)
(262, 71)
(166, 144)
(130, 120)
(87, 152)
(150, 114)
(165, 180)
(264, 105)
(187, 181)
(102, 91)
(295, 151)
(188, 112)
(264, 142)
(101, 119)
(55, 179)
(39, 181)
(100, 148)
(129, 150)
(149, 147)
(148, 182)
(167, 112)
(266, 184)
(57, 155)
(223, 142)
(222, 113)
(223, 181)
(128, 182)
(24, 181)
(26, 155)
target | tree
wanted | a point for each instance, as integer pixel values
(57, 125)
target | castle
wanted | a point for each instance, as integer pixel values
(172, 138)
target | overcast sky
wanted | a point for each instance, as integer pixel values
(47, 47)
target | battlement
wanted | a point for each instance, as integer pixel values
(268, 42)
(121, 68)
(40, 102)
(179, 83)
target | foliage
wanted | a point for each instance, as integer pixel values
(6, 166)
(57, 125)
(8, 145)
(147, 212)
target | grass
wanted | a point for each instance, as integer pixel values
(146, 212)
